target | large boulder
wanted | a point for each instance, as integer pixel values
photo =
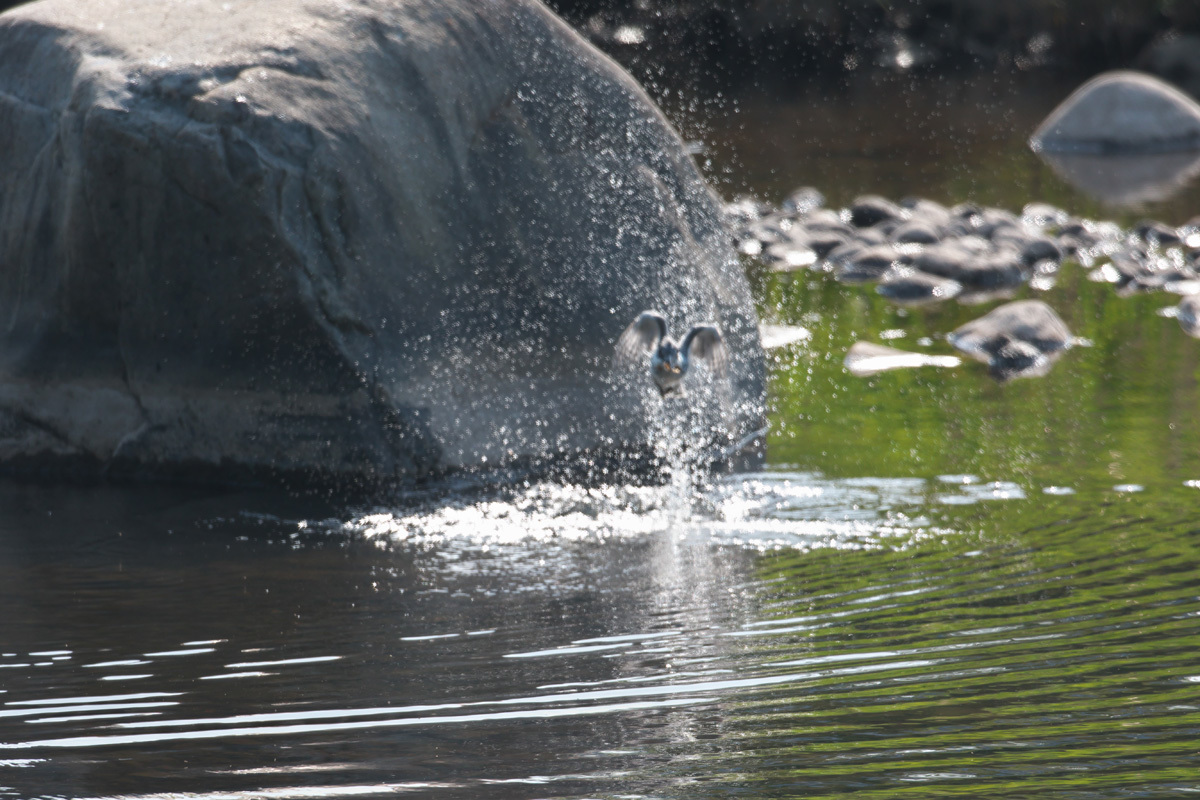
(352, 240)
(1121, 112)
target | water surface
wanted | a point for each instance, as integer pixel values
(941, 586)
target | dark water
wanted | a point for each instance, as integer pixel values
(941, 587)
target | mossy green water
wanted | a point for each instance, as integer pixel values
(1119, 409)
(1021, 643)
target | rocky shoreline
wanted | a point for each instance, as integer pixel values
(919, 252)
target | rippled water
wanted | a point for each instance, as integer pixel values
(940, 587)
(776, 635)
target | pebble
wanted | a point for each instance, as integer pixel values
(908, 286)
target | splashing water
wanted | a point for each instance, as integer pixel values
(760, 511)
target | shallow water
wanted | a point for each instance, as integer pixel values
(941, 586)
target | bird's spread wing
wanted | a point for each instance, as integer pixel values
(642, 335)
(704, 342)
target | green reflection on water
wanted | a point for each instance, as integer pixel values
(1048, 650)
(1119, 411)
(1056, 635)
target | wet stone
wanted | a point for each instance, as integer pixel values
(1044, 215)
(1018, 339)
(1017, 358)
(1188, 315)
(1121, 112)
(965, 210)
(869, 264)
(742, 210)
(867, 358)
(825, 219)
(927, 211)
(803, 200)
(1157, 233)
(907, 286)
(788, 256)
(873, 236)
(870, 210)
(1032, 248)
(915, 232)
(991, 221)
(824, 242)
(768, 230)
(972, 263)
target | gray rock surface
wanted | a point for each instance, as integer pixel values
(1188, 315)
(369, 240)
(907, 286)
(1019, 339)
(1121, 112)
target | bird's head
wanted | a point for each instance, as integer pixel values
(667, 360)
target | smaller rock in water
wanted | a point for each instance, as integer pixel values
(870, 210)
(1019, 339)
(869, 264)
(915, 232)
(825, 219)
(1044, 216)
(744, 209)
(1031, 248)
(824, 242)
(803, 200)
(928, 212)
(1156, 233)
(1134, 268)
(973, 262)
(920, 251)
(990, 221)
(909, 287)
(776, 336)
(788, 256)
(1188, 314)
(866, 358)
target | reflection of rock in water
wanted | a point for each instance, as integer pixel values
(1016, 340)
(1126, 180)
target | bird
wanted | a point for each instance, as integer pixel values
(669, 362)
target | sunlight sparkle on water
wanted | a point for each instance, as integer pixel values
(760, 511)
